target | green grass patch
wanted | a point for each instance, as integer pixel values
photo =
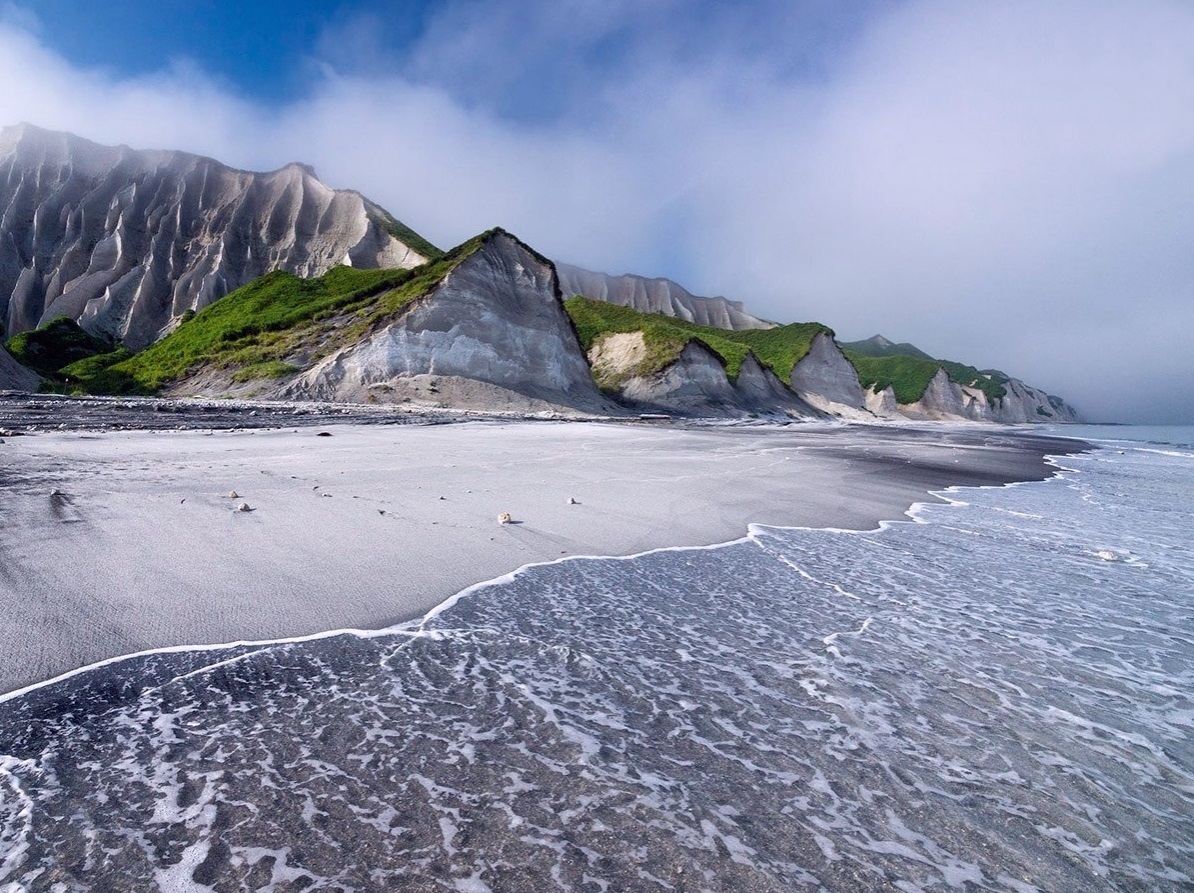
(265, 369)
(407, 236)
(878, 346)
(58, 343)
(254, 331)
(909, 376)
(779, 349)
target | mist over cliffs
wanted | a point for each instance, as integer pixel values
(157, 272)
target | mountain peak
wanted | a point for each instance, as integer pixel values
(220, 227)
(881, 346)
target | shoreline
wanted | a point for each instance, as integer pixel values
(234, 650)
(686, 488)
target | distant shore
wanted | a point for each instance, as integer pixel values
(118, 541)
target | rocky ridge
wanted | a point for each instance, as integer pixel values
(126, 242)
(657, 296)
(455, 344)
(132, 243)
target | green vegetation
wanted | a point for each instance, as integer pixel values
(665, 336)
(878, 346)
(407, 236)
(909, 376)
(56, 344)
(256, 331)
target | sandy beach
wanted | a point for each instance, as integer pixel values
(121, 541)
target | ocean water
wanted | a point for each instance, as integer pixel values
(998, 696)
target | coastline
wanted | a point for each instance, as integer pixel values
(141, 549)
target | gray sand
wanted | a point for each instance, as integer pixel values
(140, 547)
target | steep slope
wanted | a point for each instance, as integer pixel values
(491, 333)
(941, 390)
(482, 326)
(657, 296)
(125, 242)
(826, 379)
(14, 376)
(652, 360)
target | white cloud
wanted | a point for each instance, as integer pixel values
(1007, 183)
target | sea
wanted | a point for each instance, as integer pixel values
(995, 693)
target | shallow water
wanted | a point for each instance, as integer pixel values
(998, 697)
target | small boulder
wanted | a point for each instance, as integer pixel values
(572, 501)
(232, 494)
(504, 518)
(244, 507)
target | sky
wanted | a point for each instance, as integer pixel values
(1009, 183)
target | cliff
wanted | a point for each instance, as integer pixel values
(825, 379)
(492, 333)
(947, 400)
(657, 296)
(692, 381)
(125, 242)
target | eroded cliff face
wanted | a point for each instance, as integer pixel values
(657, 296)
(828, 381)
(14, 376)
(694, 384)
(883, 403)
(946, 400)
(761, 391)
(493, 334)
(127, 241)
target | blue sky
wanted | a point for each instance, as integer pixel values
(262, 49)
(1008, 183)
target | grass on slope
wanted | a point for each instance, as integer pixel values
(58, 343)
(408, 236)
(252, 332)
(878, 346)
(665, 336)
(909, 376)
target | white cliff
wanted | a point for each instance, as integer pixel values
(657, 296)
(883, 403)
(695, 383)
(492, 334)
(946, 400)
(825, 379)
(126, 241)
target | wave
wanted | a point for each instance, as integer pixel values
(970, 698)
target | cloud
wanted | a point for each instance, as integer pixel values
(1009, 184)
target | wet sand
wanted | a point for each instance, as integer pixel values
(113, 542)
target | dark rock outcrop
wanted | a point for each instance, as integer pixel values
(14, 376)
